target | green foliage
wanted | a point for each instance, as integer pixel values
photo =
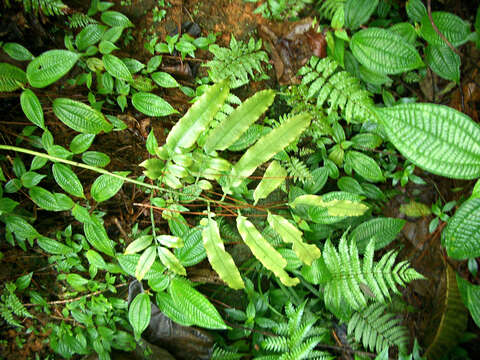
(281, 9)
(47, 7)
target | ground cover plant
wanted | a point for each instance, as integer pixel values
(234, 195)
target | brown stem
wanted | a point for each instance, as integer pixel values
(429, 11)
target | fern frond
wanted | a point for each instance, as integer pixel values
(328, 8)
(275, 343)
(298, 170)
(7, 315)
(281, 10)
(376, 329)
(238, 63)
(47, 7)
(222, 354)
(343, 92)
(80, 20)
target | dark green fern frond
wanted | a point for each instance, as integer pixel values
(238, 63)
(328, 8)
(222, 354)
(11, 305)
(47, 7)
(80, 20)
(348, 279)
(377, 329)
(342, 91)
(298, 170)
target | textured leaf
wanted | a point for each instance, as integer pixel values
(274, 176)
(461, 237)
(173, 311)
(220, 260)
(67, 180)
(90, 35)
(415, 10)
(290, 234)
(454, 28)
(114, 18)
(32, 108)
(31, 178)
(170, 261)
(384, 52)
(437, 138)
(269, 145)
(139, 314)
(17, 52)
(129, 263)
(145, 262)
(106, 186)
(335, 207)
(415, 209)
(116, 67)
(50, 67)
(232, 128)
(95, 259)
(264, 252)
(11, 77)
(20, 227)
(152, 105)
(384, 230)
(357, 12)
(471, 298)
(97, 236)
(193, 304)
(365, 166)
(53, 246)
(80, 117)
(43, 198)
(198, 117)
(444, 62)
(139, 244)
(81, 143)
(95, 158)
(164, 79)
(192, 251)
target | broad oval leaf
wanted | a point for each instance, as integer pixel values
(187, 130)
(114, 18)
(196, 306)
(95, 158)
(97, 236)
(32, 108)
(365, 166)
(437, 138)
(415, 10)
(291, 234)
(357, 12)
(384, 230)
(139, 314)
(106, 186)
(43, 198)
(53, 246)
(81, 143)
(175, 313)
(170, 261)
(192, 251)
(233, 127)
(67, 180)
(20, 227)
(264, 252)
(50, 66)
(145, 262)
(273, 177)
(11, 77)
(444, 62)
(139, 244)
(95, 259)
(384, 52)
(80, 117)
(451, 26)
(17, 52)
(90, 35)
(164, 79)
(269, 145)
(152, 105)
(220, 260)
(461, 237)
(128, 262)
(334, 207)
(116, 67)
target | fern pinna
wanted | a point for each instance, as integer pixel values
(323, 80)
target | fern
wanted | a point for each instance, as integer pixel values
(281, 9)
(298, 170)
(325, 81)
(222, 354)
(47, 7)
(80, 20)
(346, 278)
(11, 305)
(237, 63)
(328, 8)
(377, 329)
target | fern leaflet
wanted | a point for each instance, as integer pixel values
(79, 20)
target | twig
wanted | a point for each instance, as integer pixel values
(429, 12)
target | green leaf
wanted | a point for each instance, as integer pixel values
(95, 259)
(95, 158)
(169, 241)
(139, 244)
(17, 52)
(357, 12)
(264, 252)
(451, 26)
(406, 31)
(116, 67)
(50, 67)
(152, 105)
(415, 209)
(291, 234)
(187, 130)
(77, 281)
(444, 62)
(220, 260)
(269, 145)
(129, 263)
(23, 281)
(175, 313)
(152, 143)
(238, 122)
(90, 35)
(80, 117)
(67, 180)
(193, 304)
(145, 262)
(97, 236)
(43, 198)
(114, 18)
(365, 166)
(32, 108)
(81, 143)
(170, 261)
(31, 178)
(461, 236)
(415, 10)
(7, 205)
(192, 251)
(11, 77)
(384, 52)
(274, 176)
(164, 79)
(20, 227)
(54, 247)
(139, 314)
(335, 207)
(437, 138)
(384, 230)
(471, 298)
(113, 34)
(106, 186)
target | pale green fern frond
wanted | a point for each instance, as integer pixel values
(328, 8)
(47, 7)
(298, 170)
